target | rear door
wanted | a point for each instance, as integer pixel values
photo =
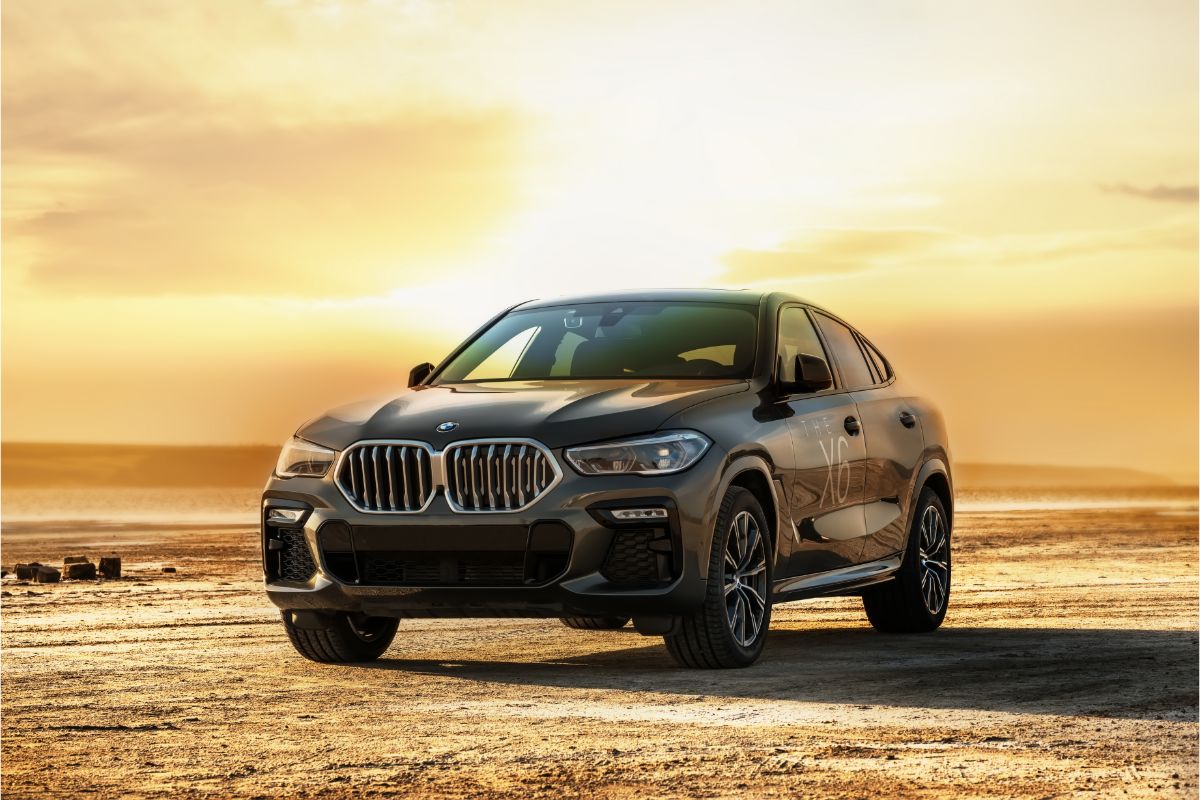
(895, 445)
(826, 492)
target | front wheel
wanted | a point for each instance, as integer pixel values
(339, 637)
(916, 600)
(730, 629)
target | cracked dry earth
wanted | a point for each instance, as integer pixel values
(1067, 668)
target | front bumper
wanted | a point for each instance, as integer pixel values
(561, 550)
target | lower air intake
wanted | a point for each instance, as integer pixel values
(448, 569)
(295, 561)
(639, 557)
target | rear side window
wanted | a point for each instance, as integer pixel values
(797, 335)
(877, 361)
(852, 364)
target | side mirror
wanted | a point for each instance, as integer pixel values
(811, 374)
(418, 374)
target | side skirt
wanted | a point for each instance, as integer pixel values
(847, 580)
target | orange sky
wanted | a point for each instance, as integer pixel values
(221, 217)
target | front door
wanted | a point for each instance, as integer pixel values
(892, 435)
(830, 462)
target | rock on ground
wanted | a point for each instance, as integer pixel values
(46, 575)
(76, 571)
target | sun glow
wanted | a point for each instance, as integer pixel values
(235, 201)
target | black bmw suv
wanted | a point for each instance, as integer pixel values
(680, 458)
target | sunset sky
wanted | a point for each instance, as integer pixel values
(220, 218)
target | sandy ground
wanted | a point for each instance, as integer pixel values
(1067, 668)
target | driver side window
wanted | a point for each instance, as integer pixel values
(797, 335)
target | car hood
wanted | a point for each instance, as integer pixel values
(556, 413)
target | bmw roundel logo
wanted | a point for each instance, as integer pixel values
(446, 427)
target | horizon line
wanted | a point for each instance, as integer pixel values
(1191, 479)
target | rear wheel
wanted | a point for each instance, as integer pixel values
(595, 623)
(917, 599)
(730, 629)
(339, 637)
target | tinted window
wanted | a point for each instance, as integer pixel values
(876, 360)
(796, 336)
(612, 340)
(503, 360)
(851, 363)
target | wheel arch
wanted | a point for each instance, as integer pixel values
(752, 473)
(940, 484)
(935, 475)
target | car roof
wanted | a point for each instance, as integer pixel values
(748, 297)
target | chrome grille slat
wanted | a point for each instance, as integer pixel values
(404, 477)
(504, 477)
(387, 457)
(521, 476)
(476, 474)
(419, 457)
(353, 481)
(375, 475)
(488, 467)
(362, 471)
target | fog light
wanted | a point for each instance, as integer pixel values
(285, 516)
(626, 514)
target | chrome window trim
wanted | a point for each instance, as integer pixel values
(439, 479)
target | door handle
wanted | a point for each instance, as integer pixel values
(907, 419)
(852, 426)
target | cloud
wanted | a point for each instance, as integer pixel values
(150, 173)
(1161, 192)
(150, 201)
(842, 251)
(833, 251)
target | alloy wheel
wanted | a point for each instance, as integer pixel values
(745, 578)
(934, 559)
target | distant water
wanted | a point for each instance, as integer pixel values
(131, 506)
(38, 507)
(1180, 499)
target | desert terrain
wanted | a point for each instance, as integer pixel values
(1067, 667)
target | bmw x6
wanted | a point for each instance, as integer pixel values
(680, 459)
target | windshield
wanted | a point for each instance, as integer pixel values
(612, 340)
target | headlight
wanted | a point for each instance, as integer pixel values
(304, 459)
(650, 455)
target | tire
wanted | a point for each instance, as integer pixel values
(337, 637)
(594, 623)
(711, 637)
(915, 601)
